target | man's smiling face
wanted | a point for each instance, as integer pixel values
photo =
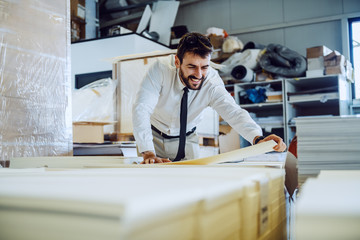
(193, 69)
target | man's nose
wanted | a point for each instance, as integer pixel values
(198, 73)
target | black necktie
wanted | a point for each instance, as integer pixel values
(183, 120)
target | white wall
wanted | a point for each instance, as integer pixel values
(292, 23)
(95, 55)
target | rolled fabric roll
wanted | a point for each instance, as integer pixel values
(242, 73)
(282, 61)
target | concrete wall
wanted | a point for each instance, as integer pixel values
(292, 23)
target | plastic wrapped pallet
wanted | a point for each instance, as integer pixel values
(35, 113)
(167, 202)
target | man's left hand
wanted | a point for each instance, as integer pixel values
(280, 147)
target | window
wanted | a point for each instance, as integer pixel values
(354, 31)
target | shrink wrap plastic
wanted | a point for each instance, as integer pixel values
(95, 101)
(35, 91)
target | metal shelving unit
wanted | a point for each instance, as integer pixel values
(269, 115)
(325, 95)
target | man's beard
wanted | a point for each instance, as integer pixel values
(187, 80)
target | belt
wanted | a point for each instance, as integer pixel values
(167, 136)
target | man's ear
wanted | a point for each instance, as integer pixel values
(177, 62)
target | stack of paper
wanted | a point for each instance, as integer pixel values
(158, 202)
(327, 143)
(328, 207)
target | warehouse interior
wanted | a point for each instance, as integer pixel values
(72, 73)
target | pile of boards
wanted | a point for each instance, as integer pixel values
(327, 143)
(328, 206)
(143, 202)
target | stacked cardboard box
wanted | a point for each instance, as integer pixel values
(35, 118)
(150, 202)
(78, 23)
(323, 61)
(335, 63)
(315, 60)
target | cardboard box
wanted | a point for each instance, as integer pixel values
(216, 41)
(275, 96)
(77, 30)
(335, 60)
(88, 132)
(335, 70)
(315, 73)
(315, 63)
(332, 55)
(229, 140)
(319, 51)
(78, 8)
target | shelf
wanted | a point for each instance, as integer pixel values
(316, 82)
(271, 125)
(325, 95)
(279, 82)
(263, 105)
(320, 97)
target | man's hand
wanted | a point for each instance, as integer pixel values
(280, 147)
(150, 158)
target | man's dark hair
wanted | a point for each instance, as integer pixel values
(195, 43)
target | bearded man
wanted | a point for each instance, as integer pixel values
(171, 99)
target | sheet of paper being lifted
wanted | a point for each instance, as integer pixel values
(235, 155)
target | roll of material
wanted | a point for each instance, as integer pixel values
(253, 45)
(243, 73)
(282, 61)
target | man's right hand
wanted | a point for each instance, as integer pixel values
(150, 158)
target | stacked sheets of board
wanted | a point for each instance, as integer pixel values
(183, 202)
(328, 207)
(327, 143)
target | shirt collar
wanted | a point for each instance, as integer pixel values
(178, 84)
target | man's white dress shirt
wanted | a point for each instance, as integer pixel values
(158, 104)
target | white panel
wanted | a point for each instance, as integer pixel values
(351, 6)
(301, 37)
(209, 124)
(200, 16)
(163, 18)
(244, 14)
(264, 37)
(92, 56)
(305, 9)
(145, 19)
